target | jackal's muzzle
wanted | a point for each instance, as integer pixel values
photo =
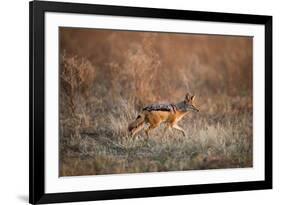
(193, 108)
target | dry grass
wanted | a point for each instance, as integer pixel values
(120, 72)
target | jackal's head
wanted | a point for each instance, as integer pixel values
(189, 102)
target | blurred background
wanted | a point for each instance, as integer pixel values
(166, 64)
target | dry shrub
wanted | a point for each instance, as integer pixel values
(76, 77)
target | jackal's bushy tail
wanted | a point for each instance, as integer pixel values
(137, 124)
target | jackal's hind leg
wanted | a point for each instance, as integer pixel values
(180, 129)
(167, 128)
(150, 128)
(139, 128)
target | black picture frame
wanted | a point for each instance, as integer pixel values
(37, 194)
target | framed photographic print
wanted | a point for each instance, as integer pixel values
(140, 102)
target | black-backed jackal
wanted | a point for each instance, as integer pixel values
(156, 114)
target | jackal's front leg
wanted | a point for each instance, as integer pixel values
(180, 129)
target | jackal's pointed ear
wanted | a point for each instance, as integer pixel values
(192, 98)
(187, 97)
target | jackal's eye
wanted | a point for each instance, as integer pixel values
(138, 117)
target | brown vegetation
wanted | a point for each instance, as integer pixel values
(106, 77)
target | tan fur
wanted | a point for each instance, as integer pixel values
(155, 118)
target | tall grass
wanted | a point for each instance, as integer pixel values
(106, 77)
